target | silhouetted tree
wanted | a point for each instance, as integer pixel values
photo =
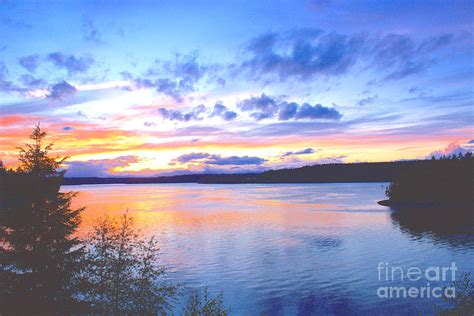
(204, 305)
(39, 257)
(122, 275)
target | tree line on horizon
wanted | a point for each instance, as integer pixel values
(45, 269)
(340, 172)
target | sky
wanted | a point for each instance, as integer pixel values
(144, 88)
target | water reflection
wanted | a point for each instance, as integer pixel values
(453, 227)
(280, 249)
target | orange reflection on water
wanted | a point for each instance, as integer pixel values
(195, 207)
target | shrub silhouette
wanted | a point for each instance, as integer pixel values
(204, 305)
(121, 275)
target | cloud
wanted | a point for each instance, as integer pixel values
(208, 159)
(5, 85)
(220, 110)
(368, 100)
(307, 111)
(72, 64)
(176, 115)
(31, 82)
(30, 62)
(403, 56)
(149, 124)
(197, 113)
(265, 107)
(307, 53)
(61, 90)
(306, 151)
(91, 33)
(184, 73)
(454, 148)
(229, 115)
(191, 157)
(98, 168)
(290, 55)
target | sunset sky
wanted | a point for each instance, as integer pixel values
(173, 87)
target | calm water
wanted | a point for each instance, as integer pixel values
(284, 249)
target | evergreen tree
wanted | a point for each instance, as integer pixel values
(39, 256)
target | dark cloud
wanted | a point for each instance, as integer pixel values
(368, 100)
(262, 103)
(312, 112)
(287, 55)
(306, 151)
(208, 159)
(67, 128)
(192, 157)
(235, 160)
(71, 63)
(30, 62)
(61, 90)
(176, 115)
(287, 111)
(304, 54)
(229, 115)
(197, 113)
(223, 112)
(264, 107)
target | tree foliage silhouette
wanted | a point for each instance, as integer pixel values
(122, 275)
(39, 256)
(449, 180)
(205, 305)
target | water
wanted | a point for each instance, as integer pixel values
(282, 249)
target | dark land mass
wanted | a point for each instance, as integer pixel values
(350, 172)
(446, 184)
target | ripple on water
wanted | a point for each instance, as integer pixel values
(281, 249)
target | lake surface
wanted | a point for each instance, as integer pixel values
(284, 249)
